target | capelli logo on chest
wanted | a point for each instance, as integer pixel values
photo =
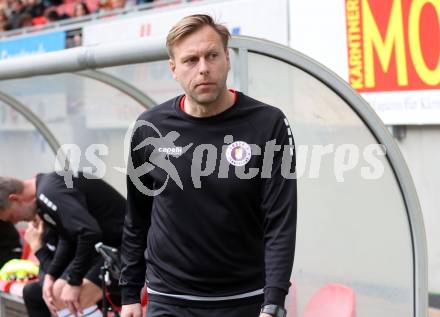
(174, 151)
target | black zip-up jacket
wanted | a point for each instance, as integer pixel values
(215, 235)
(90, 212)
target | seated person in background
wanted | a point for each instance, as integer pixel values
(104, 5)
(83, 212)
(10, 247)
(17, 9)
(25, 20)
(42, 241)
(80, 10)
(35, 8)
(4, 22)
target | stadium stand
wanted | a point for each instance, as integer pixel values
(18, 14)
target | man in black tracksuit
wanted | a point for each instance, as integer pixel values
(83, 212)
(211, 193)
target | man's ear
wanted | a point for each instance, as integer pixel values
(172, 65)
(14, 197)
(228, 60)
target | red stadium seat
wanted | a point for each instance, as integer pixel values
(26, 249)
(332, 300)
(41, 20)
(144, 296)
(5, 286)
(144, 301)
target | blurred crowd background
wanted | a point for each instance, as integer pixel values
(16, 14)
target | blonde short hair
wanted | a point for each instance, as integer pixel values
(191, 24)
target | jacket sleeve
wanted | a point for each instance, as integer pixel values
(61, 259)
(136, 225)
(279, 204)
(86, 232)
(44, 256)
(81, 230)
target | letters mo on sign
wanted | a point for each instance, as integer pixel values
(393, 45)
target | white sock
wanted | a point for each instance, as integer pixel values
(91, 311)
(64, 313)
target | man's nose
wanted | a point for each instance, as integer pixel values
(203, 67)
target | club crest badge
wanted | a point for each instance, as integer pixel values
(238, 153)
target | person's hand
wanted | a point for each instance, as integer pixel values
(48, 293)
(132, 310)
(34, 234)
(70, 297)
(265, 315)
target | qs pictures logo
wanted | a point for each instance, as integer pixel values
(393, 45)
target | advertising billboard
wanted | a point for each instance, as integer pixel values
(30, 45)
(393, 45)
(394, 57)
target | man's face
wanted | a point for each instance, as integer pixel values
(200, 64)
(19, 210)
(16, 6)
